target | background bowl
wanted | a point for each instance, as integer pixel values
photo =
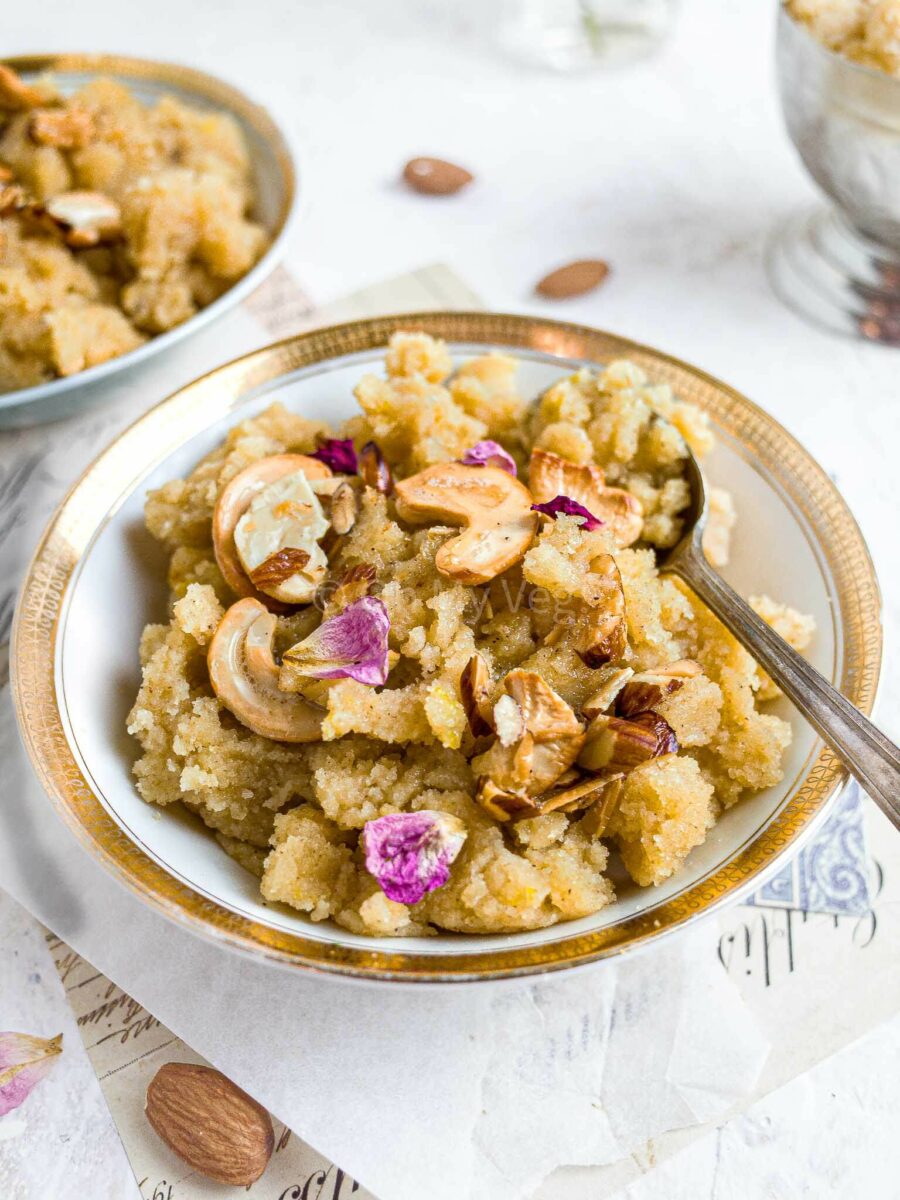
(97, 578)
(275, 179)
(841, 266)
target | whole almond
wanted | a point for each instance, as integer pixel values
(435, 177)
(210, 1123)
(574, 279)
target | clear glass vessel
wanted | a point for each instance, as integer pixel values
(578, 35)
(840, 266)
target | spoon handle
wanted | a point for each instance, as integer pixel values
(869, 756)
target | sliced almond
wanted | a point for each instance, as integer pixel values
(504, 805)
(436, 176)
(597, 817)
(574, 279)
(474, 686)
(353, 585)
(611, 681)
(545, 714)
(343, 509)
(646, 690)
(278, 567)
(612, 744)
(373, 470)
(604, 631)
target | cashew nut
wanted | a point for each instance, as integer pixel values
(493, 507)
(550, 476)
(244, 676)
(234, 501)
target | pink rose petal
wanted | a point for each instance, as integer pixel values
(410, 853)
(565, 505)
(489, 454)
(24, 1061)
(351, 645)
(339, 454)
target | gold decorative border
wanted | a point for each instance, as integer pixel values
(192, 409)
(218, 94)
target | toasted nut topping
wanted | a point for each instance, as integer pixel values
(64, 128)
(343, 509)
(354, 584)
(612, 680)
(16, 94)
(474, 684)
(234, 501)
(493, 507)
(373, 470)
(550, 476)
(545, 714)
(277, 567)
(646, 690)
(12, 198)
(597, 817)
(616, 745)
(581, 794)
(508, 721)
(83, 219)
(605, 631)
(548, 746)
(244, 676)
(504, 805)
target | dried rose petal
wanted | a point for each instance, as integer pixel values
(351, 645)
(489, 454)
(570, 508)
(410, 853)
(339, 454)
(24, 1061)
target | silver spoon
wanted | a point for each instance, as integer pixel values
(864, 750)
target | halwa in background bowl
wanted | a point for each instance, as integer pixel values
(275, 183)
(840, 265)
(98, 578)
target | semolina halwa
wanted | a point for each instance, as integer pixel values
(490, 689)
(865, 31)
(117, 222)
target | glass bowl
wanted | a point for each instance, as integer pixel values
(840, 265)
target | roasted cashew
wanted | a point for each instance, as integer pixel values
(493, 507)
(244, 676)
(234, 501)
(550, 476)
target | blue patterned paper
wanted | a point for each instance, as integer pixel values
(830, 874)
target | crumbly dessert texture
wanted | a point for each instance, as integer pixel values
(118, 222)
(866, 31)
(293, 814)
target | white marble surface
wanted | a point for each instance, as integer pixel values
(676, 172)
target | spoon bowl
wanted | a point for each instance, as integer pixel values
(870, 757)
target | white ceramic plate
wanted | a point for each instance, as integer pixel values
(98, 579)
(274, 176)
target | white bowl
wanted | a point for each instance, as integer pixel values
(98, 578)
(274, 177)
